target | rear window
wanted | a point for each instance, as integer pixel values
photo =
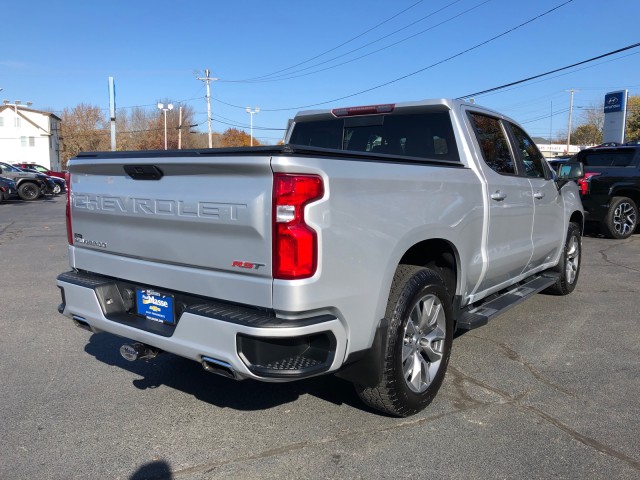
(423, 135)
(608, 158)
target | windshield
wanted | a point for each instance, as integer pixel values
(10, 168)
(610, 158)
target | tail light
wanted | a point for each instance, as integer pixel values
(295, 244)
(585, 182)
(67, 179)
(363, 110)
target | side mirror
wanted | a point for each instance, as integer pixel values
(567, 172)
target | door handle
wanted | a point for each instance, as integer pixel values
(498, 196)
(538, 195)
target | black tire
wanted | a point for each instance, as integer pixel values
(28, 191)
(569, 264)
(621, 219)
(57, 189)
(409, 385)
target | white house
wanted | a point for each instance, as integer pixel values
(28, 135)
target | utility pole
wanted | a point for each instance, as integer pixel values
(252, 112)
(162, 107)
(208, 79)
(180, 129)
(570, 114)
(551, 125)
(112, 112)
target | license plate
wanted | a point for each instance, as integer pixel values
(155, 306)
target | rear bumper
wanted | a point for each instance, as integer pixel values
(255, 343)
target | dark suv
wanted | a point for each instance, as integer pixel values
(30, 185)
(610, 189)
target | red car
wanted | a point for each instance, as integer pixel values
(40, 169)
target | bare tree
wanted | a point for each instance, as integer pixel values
(232, 137)
(83, 129)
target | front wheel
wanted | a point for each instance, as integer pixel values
(419, 343)
(621, 219)
(56, 189)
(28, 191)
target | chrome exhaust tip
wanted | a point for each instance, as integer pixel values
(80, 322)
(218, 367)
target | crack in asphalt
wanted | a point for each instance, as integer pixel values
(516, 357)
(10, 235)
(516, 401)
(611, 262)
(5, 228)
(292, 447)
(465, 403)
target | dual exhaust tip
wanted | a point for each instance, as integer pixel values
(140, 351)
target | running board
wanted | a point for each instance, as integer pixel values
(477, 315)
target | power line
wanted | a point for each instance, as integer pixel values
(343, 43)
(246, 126)
(478, 45)
(581, 69)
(506, 85)
(544, 117)
(292, 75)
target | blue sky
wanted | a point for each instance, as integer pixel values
(60, 54)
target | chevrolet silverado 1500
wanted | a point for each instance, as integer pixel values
(356, 248)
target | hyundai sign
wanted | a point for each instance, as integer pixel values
(615, 114)
(613, 102)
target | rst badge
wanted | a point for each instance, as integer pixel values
(247, 265)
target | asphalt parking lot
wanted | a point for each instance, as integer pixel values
(548, 390)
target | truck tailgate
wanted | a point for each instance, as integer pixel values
(205, 220)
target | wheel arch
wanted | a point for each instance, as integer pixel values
(439, 255)
(625, 191)
(578, 217)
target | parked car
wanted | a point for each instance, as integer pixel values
(556, 162)
(610, 189)
(8, 189)
(56, 185)
(30, 185)
(40, 169)
(59, 185)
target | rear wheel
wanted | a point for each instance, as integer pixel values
(419, 343)
(621, 219)
(28, 191)
(569, 265)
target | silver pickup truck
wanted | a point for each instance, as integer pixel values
(357, 248)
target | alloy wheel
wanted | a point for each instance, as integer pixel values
(624, 218)
(572, 259)
(423, 346)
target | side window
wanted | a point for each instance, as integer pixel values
(493, 143)
(531, 156)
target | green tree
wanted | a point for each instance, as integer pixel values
(632, 133)
(586, 134)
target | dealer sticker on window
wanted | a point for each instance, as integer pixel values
(155, 306)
